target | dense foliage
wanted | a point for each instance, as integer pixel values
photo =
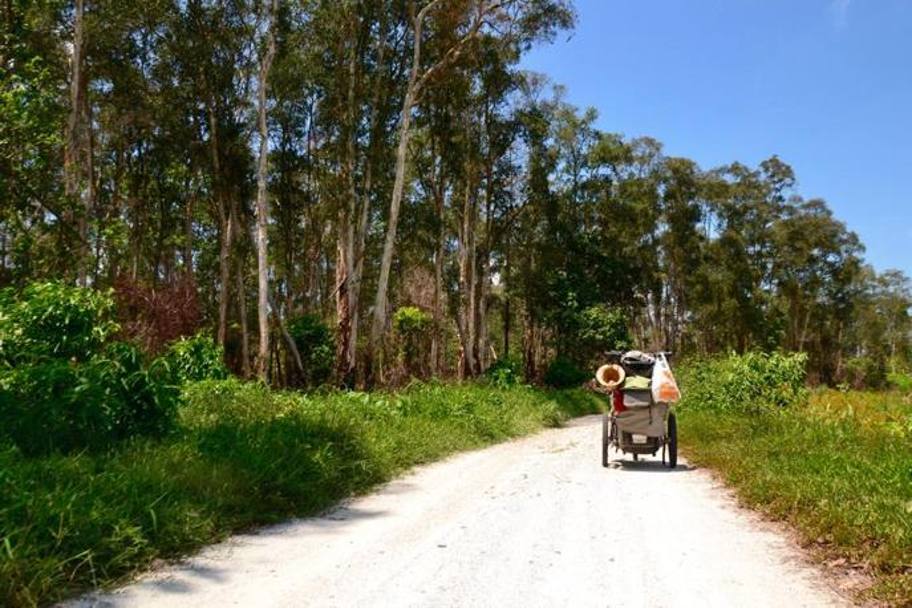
(412, 328)
(194, 358)
(834, 463)
(52, 321)
(504, 371)
(240, 455)
(754, 382)
(314, 342)
(65, 383)
(460, 185)
(562, 372)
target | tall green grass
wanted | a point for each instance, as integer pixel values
(241, 455)
(835, 465)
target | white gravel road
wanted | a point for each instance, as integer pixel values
(534, 522)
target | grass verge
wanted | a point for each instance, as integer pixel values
(837, 467)
(242, 456)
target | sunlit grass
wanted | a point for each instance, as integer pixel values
(838, 467)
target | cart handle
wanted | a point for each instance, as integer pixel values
(616, 354)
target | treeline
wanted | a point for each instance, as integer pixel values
(368, 190)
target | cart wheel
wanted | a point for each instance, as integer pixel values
(606, 436)
(672, 441)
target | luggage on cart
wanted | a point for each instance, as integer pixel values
(641, 420)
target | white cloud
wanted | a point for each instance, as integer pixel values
(839, 10)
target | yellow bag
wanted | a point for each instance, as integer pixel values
(664, 387)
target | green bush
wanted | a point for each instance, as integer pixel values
(63, 384)
(564, 373)
(411, 320)
(754, 382)
(505, 371)
(866, 372)
(195, 358)
(315, 344)
(60, 405)
(900, 381)
(412, 327)
(53, 321)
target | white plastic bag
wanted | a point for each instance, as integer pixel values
(664, 387)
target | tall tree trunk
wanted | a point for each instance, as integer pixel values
(437, 339)
(227, 234)
(506, 296)
(226, 226)
(78, 180)
(88, 203)
(359, 244)
(530, 349)
(245, 330)
(242, 316)
(467, 285)
(188, 237)
(262, 204)
(437, 180)
(481, 316)
(345, 246)
(481, 265)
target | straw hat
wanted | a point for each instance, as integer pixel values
(610, 376)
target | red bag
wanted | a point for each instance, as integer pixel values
(618, 397)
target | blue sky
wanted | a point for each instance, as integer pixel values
(825, 84)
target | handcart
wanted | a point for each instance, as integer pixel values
(636, 423)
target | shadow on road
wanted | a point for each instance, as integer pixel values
(647, 466)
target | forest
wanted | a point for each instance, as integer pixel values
(361, 192)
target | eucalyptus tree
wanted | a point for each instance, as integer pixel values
(367, 45)
(271, 8)
(458, 25)
(78, 159)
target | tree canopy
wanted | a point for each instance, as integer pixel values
(268, 161)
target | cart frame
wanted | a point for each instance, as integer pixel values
(622, 441)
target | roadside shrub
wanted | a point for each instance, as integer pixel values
(59, 405)
(564, 373)
(505, 371)
(753, 382)
(63, 384)
(411, 320)
(315, 344)
(53, 320)
(195, 358)
(232, 401)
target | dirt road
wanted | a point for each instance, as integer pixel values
(536, 522)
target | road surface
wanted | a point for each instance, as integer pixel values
(534, 522)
